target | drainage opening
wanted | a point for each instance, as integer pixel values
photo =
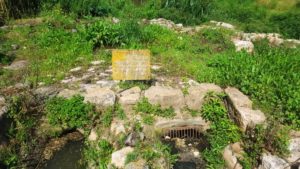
(183, 133)
(188, 143)
(295, 166)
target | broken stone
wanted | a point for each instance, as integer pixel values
(101, 97)
(155, 67)
(230, 157)
(97, 62)
(130, 96)
(238, 98)
(243, 45)
(107, 83)
(249, 118)
(273, 162)
(15, 47)
(196, 94)
(93, 135)
(165, 96)
(140, 164)
(67, 93)
(118, 158)
(132, 139)
(115, 20)
(17, 65)
(223, 24)
(117, 127)
(76, 69)
(3, 107)
(197, 122)
(294, 148)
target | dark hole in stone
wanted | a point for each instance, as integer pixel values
(184, 165)
(193, 139)
(295, 166)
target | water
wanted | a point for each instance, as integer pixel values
(68, 157)
(184, 165)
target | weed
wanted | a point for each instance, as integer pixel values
(148, 119)
(99, 156)
(69, 112)
(143, 85)
(145, 107)
(107, 116)
(222, 132)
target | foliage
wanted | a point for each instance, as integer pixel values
(143, 85)
(103, 33)
(268, 76)
(222, 132)
(273, 138)
(145, 107)
(288, 23)
(99, 156)
(69, 112)
(109, 113)
(148, 119)
(8, 156)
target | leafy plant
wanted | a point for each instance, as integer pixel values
(145, 107)
(222, 132)
(72, 112)
(99, 156)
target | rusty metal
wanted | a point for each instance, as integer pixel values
(182, 132)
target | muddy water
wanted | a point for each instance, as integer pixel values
(68, 157)
(193, 163)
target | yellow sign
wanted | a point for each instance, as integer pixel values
(131, 64)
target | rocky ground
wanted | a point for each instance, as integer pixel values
(96, 86)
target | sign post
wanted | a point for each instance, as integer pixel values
(131, 64)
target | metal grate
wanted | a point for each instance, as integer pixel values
(183, 132)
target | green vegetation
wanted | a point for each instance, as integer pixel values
(109, 113)
(143, 85)
(222, 132)
(269, 76)
(69, 112)
(145, 107)
(99, 156)
(151, 153)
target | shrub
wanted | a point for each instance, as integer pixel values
(222, 132)
(288, 23)
(71, 112)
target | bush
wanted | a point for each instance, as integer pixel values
(222, 131)
(72, 112)
(288, 23)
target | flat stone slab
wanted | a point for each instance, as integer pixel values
(273, 162)
(197, 122)
(294, 148)
(17, 65)
(249, 118)
(118, 158)
(101, 97)
(238, 98)
(196, 94)
(130, 96)
(165, 96)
